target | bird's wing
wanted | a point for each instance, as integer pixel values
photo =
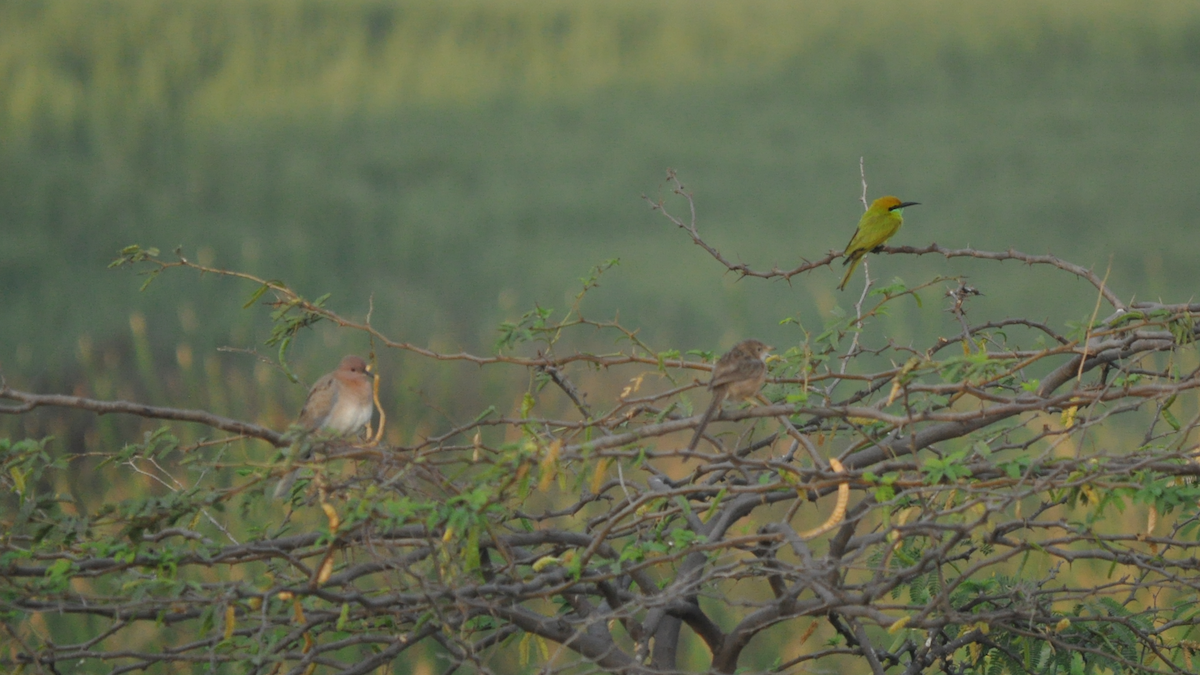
(849, 251)
(737, 371)
(879, 230)
(320, 403)
(873, 230)
(723, 370)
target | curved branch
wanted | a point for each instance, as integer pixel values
(746, 271)
(1013, 254)
(30, 401)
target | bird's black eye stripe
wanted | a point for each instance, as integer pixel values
(904, 204)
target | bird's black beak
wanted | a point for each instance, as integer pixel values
(903, 204)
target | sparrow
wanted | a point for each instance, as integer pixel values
(737, 376)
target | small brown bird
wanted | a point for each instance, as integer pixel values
(340, 402)
(738, 375)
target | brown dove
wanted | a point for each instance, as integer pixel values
(340, 402)
(737, 376)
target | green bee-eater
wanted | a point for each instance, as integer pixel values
(877, 225)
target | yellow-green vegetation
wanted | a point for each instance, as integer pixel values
(116, 64)
(1013, 499)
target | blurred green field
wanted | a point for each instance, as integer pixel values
(461, 161)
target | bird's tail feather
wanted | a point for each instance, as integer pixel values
(705, 419)
(299, 450)
(284, 486)
(850, 272)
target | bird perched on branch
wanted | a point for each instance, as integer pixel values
(340, 402)
(876, 226)
(738, 375)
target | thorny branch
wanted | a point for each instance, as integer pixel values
(745, 270)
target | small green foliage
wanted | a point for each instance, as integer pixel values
(884, 492)
(1166, 414)
(1127, 379)
(952, 468)
(58, 577)
(667, 355)
(1079, 330)
(1183, 328)
(797, 397)
(155, 445)
(974, 368)
(288, 319)
(24, 463)
(682, 538)
(133, 254)
(632, 552)
(259, 292)
(593, 279)
(1015, 467)
(525, 329)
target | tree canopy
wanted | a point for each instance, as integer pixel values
(1013, 497)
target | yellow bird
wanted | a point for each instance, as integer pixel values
(877, 225)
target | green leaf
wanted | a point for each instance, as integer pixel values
(258, 293)
(797, 397)
(1169, 418)
(59, 568)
